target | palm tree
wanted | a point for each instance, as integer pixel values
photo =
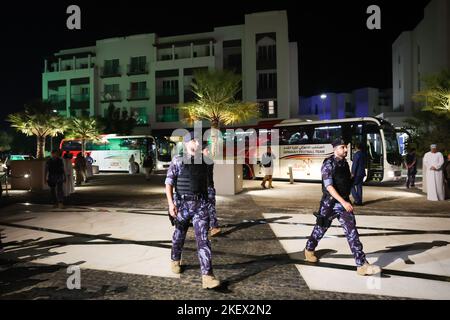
(84, 129)
(215, 101)
(436, 95)
(38, 120)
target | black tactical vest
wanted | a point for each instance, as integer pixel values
(193, 179)
(342, 180)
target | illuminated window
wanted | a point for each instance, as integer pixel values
(271, 107)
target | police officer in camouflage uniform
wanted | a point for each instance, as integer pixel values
(188, 174)
(335, 203)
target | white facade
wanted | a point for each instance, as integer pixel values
(420, 52)
(148, 76)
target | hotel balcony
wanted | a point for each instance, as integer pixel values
(110, 72)
(80, 101)
(110, 96)
(138, 95)
(135, 69)
(58, 101)
(167, 96)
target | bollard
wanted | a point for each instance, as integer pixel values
(291, 177)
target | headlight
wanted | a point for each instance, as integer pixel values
(390, 174)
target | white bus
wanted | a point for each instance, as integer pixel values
(304, 145)
(112, 152)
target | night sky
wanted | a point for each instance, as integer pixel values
(336, 51)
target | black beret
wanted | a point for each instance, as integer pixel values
(338, 142)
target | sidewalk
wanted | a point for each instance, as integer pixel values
(122, 246)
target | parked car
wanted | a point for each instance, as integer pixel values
(14, 157)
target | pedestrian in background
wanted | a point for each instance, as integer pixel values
(89, 163)
(411, 166)
(68, 186)
(55, 177)
(80, 169)
(148, 166)
(132, 168)
(433, 162)
(267, 162)
(358, 174)
(447, 177)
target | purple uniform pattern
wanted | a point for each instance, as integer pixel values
(198, 212)
(331, 209)
(213, 223)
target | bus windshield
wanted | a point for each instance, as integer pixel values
(165, 150)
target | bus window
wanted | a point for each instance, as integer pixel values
(71, 145)
(356, 137)
(295, 135)
(327, 134)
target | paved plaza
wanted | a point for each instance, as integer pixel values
(116, 230)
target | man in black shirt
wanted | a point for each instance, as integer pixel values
(55, 177)
(411, 165)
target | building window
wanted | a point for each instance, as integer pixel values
(267, 52)
(267, 81)
(398, 59)
(138, 90)
(111, 68)
(138, 65)
(170, 88)
(399, 84)
(140, 114)
(271, 107)
(316, 111)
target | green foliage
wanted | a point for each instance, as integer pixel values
(84, 129)
(117, 122)
(38, 120)
(431, 124)
(436, 95)
(428, 127)
(215, 99)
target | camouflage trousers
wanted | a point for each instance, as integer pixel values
(330, 210)
(213, 223)
(197, 211)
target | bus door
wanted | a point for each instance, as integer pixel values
(374, 152)
(355, 134)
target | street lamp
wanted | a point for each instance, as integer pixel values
(323, 96)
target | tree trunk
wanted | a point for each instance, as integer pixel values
(40, 147)
(214, 137)
(83, 146)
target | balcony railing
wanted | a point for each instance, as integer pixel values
(80, 101)
(138, 94)
(267, 93)
(133, 69)
(111, 96)
(167, 96)
(167, 117)
(58, 101)
(110, 72)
